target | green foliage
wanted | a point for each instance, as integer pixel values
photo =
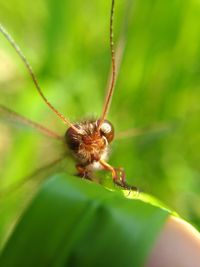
(72, 222)
(67, 44)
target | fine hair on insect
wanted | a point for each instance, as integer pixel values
(87, 141)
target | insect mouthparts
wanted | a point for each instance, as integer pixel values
(88, 141)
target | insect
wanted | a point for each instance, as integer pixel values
(87, 141)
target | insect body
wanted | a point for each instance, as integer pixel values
(90, 147)
(89, 140)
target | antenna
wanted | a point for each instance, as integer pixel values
(29, 68)
(110, 91)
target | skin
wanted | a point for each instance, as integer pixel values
(178, 245)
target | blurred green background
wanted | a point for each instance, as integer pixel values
(67, 43)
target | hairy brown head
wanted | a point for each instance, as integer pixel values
(90, 143)
(88, 140)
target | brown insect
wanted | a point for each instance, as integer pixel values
(88, 141)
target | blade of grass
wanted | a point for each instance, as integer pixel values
(72, 222)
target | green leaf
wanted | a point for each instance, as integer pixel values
(74, 222)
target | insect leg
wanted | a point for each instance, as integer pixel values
(108, 167)
(83, 172)
(17, 117)
(122, 181)
(118, 175)
(152, 129)
(28, 178)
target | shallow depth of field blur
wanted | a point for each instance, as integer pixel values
(67, 44)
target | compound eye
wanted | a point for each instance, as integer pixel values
(71, 139)
(107, 130)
